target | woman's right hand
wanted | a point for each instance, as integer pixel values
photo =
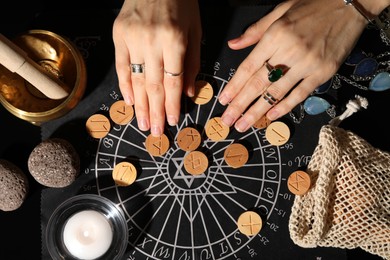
(164, 36)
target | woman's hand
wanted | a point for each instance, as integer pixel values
(162, 36)
(311, 38)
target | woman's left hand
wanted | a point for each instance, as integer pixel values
(311, 38)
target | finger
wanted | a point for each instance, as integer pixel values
(254, 61)
(270, 97)
(295, 97)
(128, 51)
(173, 80)
(141, 103)
(266, 47)
(192, 62)
(155, 90)
(122, 65)
(256, 31)
(173, 56)
(256, 85)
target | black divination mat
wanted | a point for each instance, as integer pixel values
(170, 214)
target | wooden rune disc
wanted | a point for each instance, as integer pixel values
(236, 155)
(216, 130)
(124, 173)
(188, 139)
(196, 163)
(249, 223)
(98, 126)
(157, 145)
(262, 123)
(277, 133)
(299, 182)
(121, 113)
(203, 92)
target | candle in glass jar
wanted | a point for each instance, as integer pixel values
(87, 234)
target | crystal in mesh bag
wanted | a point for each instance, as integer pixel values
(348, 205)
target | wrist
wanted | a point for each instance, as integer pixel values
(379, 16)
(374, 7)
(369, 9)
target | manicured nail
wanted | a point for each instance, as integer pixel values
(235, 40)
(172, 120)
(227, 119)
(128, 100)
(143, 124)
(224, 100)
(273, 114)
(241, 125)
(191, 91)
(156, 130)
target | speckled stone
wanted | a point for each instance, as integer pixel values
(14, 186)
(54, 163)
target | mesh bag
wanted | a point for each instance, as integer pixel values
(348, 205)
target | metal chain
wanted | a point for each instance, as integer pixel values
(351, 82)
(331, 111)
(336, 80)
(301, 115)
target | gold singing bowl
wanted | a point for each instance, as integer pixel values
(60, 59)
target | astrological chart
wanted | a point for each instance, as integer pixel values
(172, 214)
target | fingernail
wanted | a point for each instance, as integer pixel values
(241, 125)
(233, 41)
(227, 119)
(143, 124)
(172, 120)
(273, 114)
(224, 100)
(156, 130)
(128, 100)
(191, 91)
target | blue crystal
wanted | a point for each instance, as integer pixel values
(380, 82)
(315, 105)
(355, 57)
(324, 87)
(366, 67)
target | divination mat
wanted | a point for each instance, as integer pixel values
(171, 214)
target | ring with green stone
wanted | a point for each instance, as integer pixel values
(274, 72)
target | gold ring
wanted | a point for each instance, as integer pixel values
(270, 99)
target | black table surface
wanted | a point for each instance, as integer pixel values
(21, 229)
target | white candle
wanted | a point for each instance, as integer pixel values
(87, 234)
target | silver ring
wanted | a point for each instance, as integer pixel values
(173, 74)
(270, 99)
(137, 68)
